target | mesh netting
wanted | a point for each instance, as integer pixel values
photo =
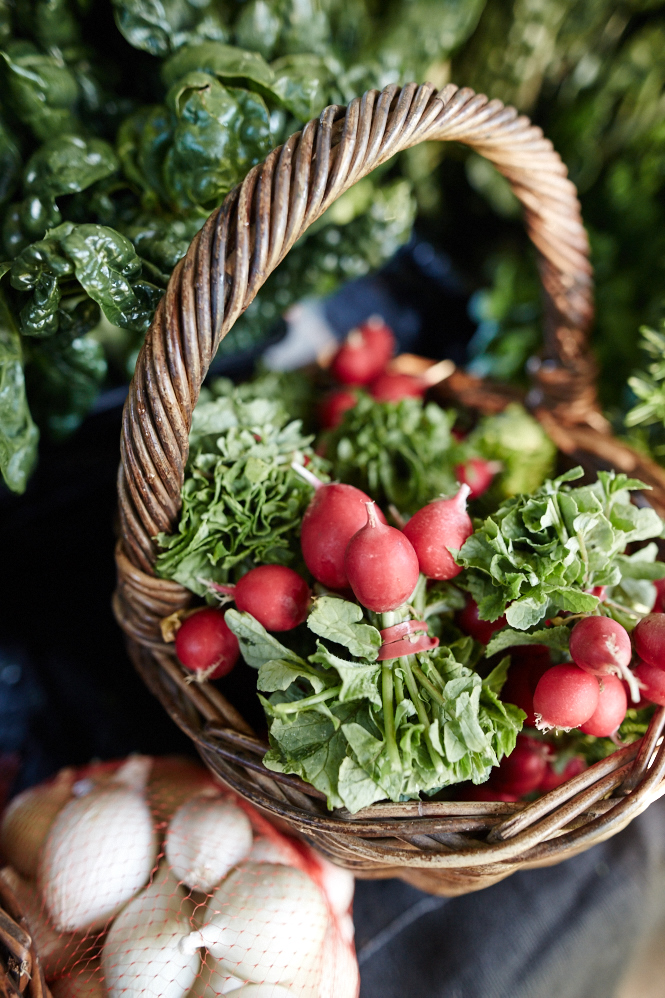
(146, 879)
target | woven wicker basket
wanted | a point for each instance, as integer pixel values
(21, 972)
(446, 848)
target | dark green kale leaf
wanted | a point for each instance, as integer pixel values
(219, 134)
(66, 164)
(10, 163)
(242, 501)
(18, 434)
(543, 553)
(162, 26)
(40, 89)
(104, 264)
(226, 63)
(65, 371)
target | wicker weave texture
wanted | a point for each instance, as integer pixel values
(444, 847)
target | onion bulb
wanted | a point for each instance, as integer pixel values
(213, 980)
(267, 923)
(28, 818)
(207, 837)
(99, 852)
(142, 954)
(339, 971)
(85, 982)
(265, 991)
(58, 951)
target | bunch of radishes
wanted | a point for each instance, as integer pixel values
(206, 901)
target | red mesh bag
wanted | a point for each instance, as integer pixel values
(146, 879)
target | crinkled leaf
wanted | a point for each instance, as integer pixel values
(355, 787)
(302, 84)
(18, 434)
(228, 522)
(278, 674)
(67, 163)
(343, 622)
(162, 26)
(40, 90)
(226, 63)
(219, 134)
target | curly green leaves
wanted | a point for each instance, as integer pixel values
(64, 165)
(40, 90)
(18, 433)
(162, 26)
(101, 260)
(191, 153)
(546, 552)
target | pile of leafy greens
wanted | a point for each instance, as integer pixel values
(242, 503)
(404, 453)
(544, 553)
(361, 730)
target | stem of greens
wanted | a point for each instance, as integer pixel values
(429, 686)
(389, 716)
(296, 705)
(420, 707)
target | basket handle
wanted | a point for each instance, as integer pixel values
(245, 239)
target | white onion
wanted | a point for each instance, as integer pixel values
(99, 852)
(86, 982)
(338, 884)
(207, 837)
(142, 954)
(28, 818)
(339, 972)
(266, 922)
(214, 979)
(264, 991)
(264, 850)
(58, 951)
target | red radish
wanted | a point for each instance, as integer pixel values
(652, 682)
(381, 565)
(600, 592)
(470, 623)
(334, 515)
(397, 631)
(600, 645)
(205, 645)
(641, 703)
(528, 664)
(275, 595)
(333, 407)
(649, 638)
(364, 354)
(523, 770)
(552, 779)
(565, 697)
(611, 709)
(411, 645)
(486, 791)
(435, 529)
(478, 474)
(393, 387)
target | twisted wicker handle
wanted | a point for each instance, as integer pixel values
(244, 240)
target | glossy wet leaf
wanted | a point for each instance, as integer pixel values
(162, 26)
(220, 133)
(40, 90)
(18, 434)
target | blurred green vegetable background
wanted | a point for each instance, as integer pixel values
(124, 123)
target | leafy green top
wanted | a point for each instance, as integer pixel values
(545, 552)
(361, 730)
(242, 503)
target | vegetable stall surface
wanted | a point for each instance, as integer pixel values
(275, 915)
